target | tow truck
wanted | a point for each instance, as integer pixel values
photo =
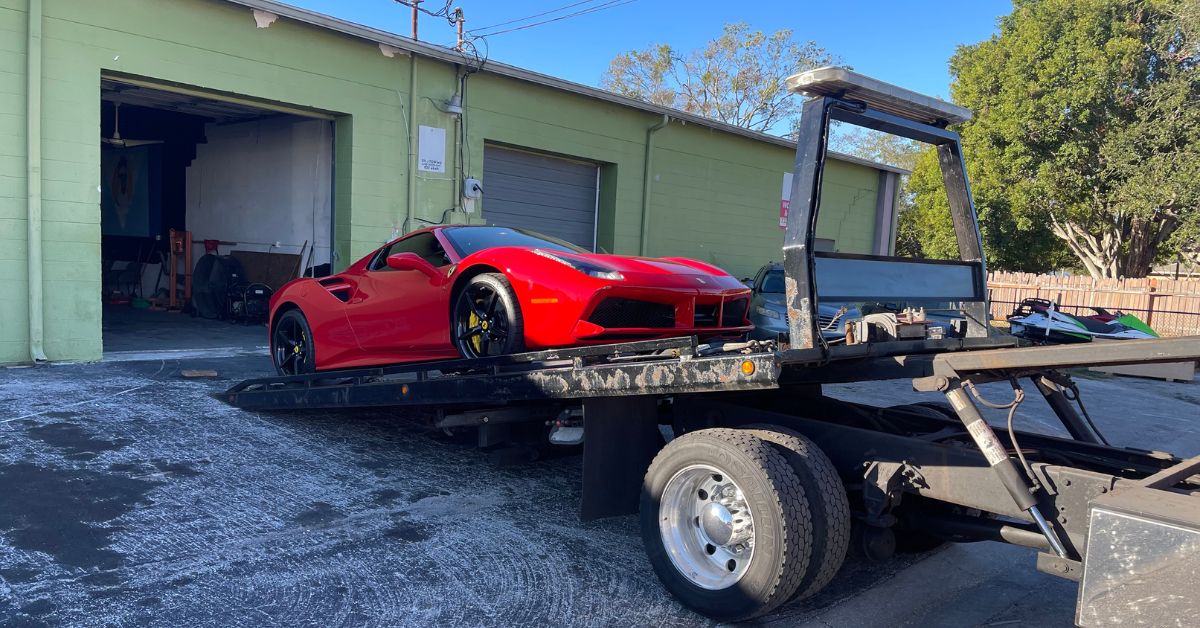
(751, 484)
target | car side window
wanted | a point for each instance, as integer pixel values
(425, 245)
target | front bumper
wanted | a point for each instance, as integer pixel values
(631, 312)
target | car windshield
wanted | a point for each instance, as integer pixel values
(469, 240)
(773, 282)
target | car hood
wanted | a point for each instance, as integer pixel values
(643, 265)
(772, 298)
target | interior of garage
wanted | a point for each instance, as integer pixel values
(234, 198)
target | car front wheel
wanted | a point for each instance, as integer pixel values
(292, 348)
(486, 318)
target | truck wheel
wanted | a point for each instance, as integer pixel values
(827, 499)
(726, 524)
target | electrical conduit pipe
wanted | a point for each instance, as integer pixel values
(33, 179)
(646, 180)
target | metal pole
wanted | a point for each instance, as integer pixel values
(415, 11)
(798, 239)
(647, 173)
(966, 231)
(33, 180)
(459, 20)
(411, 182)
(1062, 407)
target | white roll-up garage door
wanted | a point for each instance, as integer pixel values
(550, 195)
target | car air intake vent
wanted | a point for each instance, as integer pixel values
(337, 287)
(617, 312)
(706, 314)
(734, 314)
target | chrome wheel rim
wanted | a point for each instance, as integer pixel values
(290, 347)
(707, 527)
(481, 322)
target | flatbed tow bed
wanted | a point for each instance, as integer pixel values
(751, 484)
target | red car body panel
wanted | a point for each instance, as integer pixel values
(361, 317)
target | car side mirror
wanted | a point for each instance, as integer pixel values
(412, 261)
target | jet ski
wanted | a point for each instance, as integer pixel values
(1041, 321)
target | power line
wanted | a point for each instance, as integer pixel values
(442, 12)
(610, 4)
(530, 17)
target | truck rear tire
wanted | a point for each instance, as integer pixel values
(726, 523)
(827, 499)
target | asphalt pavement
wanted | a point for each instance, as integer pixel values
(130, 495)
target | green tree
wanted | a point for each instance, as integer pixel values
(917, 234)
(875, 146)
(737, 78)
(1087, 127)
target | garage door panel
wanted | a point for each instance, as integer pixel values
(567, 202)
(521, 186)
(582, 175)
(515, 211)
(521, 163)
(550, 195)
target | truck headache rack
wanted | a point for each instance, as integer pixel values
(1123, 521)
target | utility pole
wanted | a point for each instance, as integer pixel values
(458, 20)
(415, 4)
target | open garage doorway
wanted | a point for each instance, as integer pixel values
(208, 205)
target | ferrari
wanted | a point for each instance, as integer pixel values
(453, 291)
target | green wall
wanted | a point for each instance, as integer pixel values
(714, 195)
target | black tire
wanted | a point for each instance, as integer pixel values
(781, 522)
(293, 351)
(485, 319)
(826, 497)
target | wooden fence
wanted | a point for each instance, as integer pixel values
(1170, 306)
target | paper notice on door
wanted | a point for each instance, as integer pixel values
(431, 149)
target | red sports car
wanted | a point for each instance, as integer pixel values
(473, 291)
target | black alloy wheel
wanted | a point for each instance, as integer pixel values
(486, 320)
(292, 348)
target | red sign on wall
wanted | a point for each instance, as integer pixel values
(785, 200)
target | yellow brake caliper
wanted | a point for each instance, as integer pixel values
(477, 339)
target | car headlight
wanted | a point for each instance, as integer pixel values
(768, 312)
(583, 266)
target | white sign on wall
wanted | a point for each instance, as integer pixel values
(786, 200)
(431, 149)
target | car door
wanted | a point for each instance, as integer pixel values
(403, 314)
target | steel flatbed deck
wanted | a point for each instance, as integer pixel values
(656, 367)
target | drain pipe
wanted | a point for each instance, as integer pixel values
(646, 182)
(33, 178)
(412, 139)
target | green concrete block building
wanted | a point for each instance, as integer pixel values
(271, 129)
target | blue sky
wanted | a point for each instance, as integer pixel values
(907, 43)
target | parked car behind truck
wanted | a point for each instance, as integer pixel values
(769, 314)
